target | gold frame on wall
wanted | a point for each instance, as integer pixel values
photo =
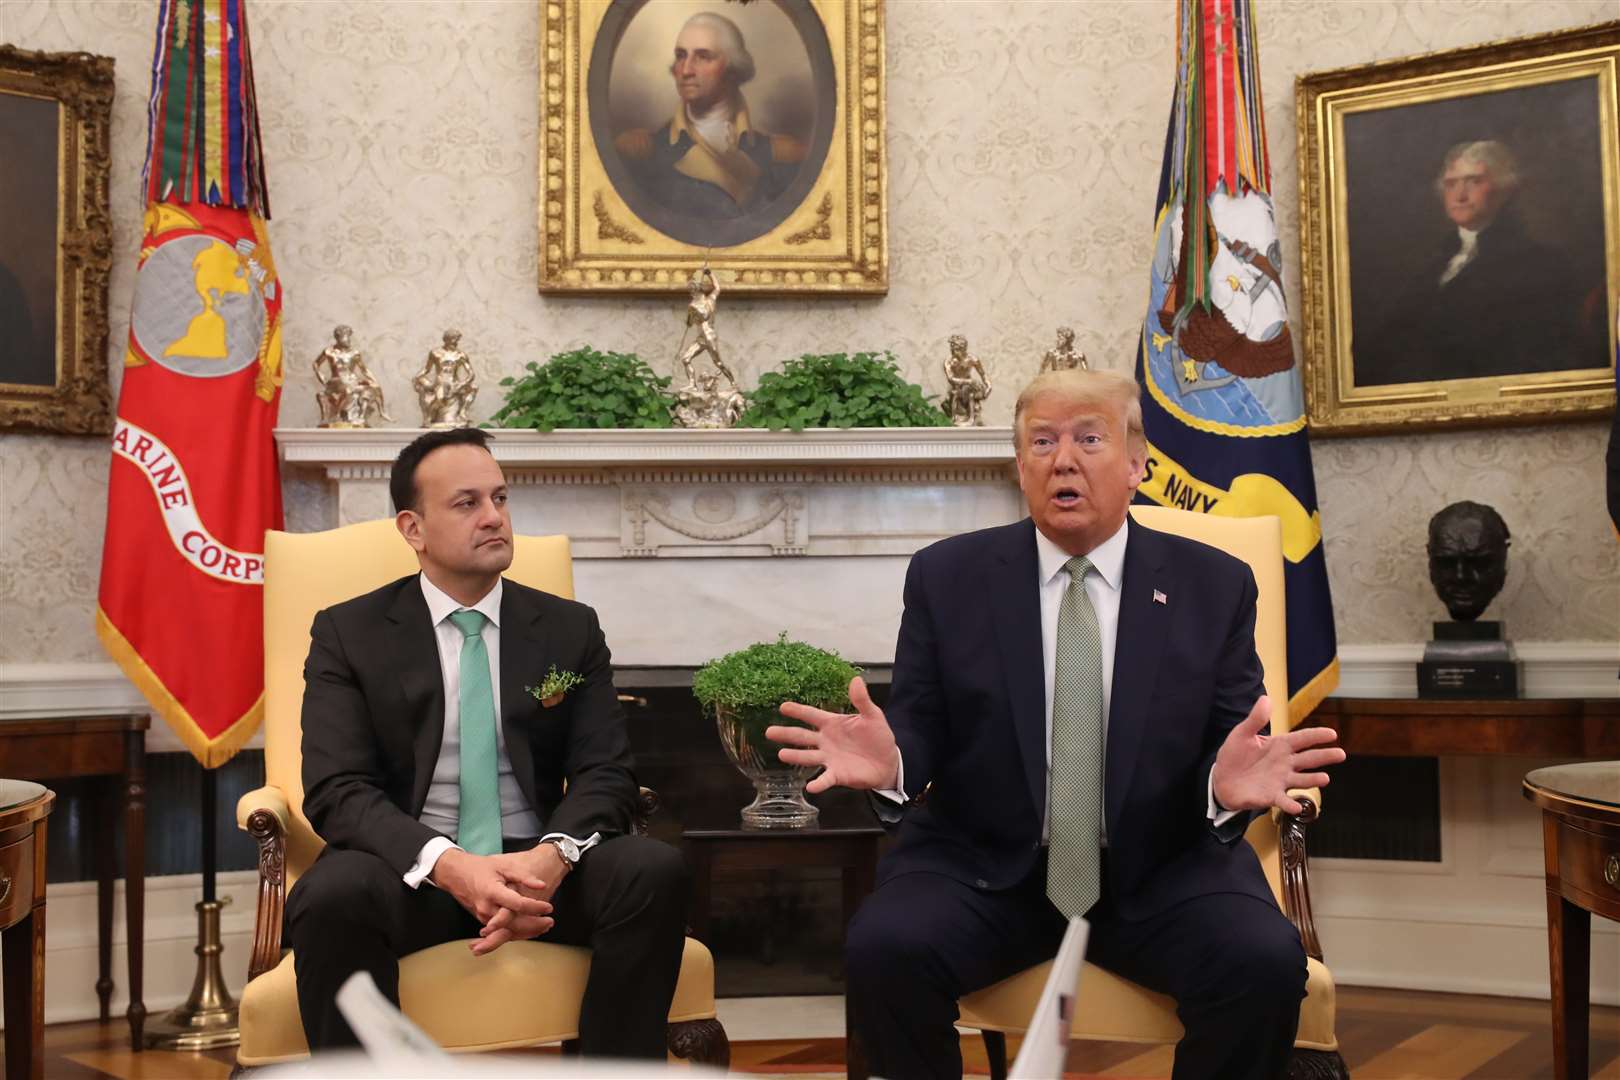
(835, 240)
(1335, 403)
(78, 403)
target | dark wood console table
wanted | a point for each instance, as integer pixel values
(1432, 727)
(852, 849)
(23, 810)
(113, 749)
(1580, 816)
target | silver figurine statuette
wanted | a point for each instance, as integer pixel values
(967, 385)
(349, 395)
(705, 401)
(446, 386)
(1064, 356)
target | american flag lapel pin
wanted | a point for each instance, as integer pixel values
(1160, 598)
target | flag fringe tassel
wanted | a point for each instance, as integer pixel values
(212, 753)
(1309, 696)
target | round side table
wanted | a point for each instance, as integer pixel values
(1580, 822)
(24, 806)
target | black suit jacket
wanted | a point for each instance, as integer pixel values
(373, 720)
(968, 708)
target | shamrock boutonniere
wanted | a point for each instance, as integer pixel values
(556, 683)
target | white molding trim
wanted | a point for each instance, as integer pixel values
(1551, 669)
(169, 960)
(43, 691)
(922, 447)
(1494, 954)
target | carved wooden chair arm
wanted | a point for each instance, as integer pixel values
(263, 814)
(1296, 884)
(646, 807)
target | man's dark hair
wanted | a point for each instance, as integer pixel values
(402, 479)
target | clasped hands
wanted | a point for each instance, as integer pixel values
(510, 894)
(1252, 771)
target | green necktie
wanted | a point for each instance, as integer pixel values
(1074, 805)
(478, 821)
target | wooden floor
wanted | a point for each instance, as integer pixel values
(1383, 1034)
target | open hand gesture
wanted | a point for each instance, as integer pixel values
(855, 750)
(1254, 771)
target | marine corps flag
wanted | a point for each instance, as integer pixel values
(1222, 400)
(193, 484)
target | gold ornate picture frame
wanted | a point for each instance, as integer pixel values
(55, 241)
(790, 196)
(1460, 235)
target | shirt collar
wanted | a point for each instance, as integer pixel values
(441, 605)
(1467, 237)
(682, 124)
(1107, 557)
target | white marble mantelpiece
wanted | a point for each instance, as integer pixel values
(693, 543)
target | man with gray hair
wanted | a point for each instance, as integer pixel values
(1492, 301)
(1075, 726)
(710, 160)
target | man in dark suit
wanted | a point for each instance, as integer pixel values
(1028, 806)
(452, 802)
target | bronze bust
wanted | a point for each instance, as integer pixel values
(1468, 549)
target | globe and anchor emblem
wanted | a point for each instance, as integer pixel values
(199, 305)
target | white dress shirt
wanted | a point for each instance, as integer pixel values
(1103, 589)
(442, 808)
(1469, 239)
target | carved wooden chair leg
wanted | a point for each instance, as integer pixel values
(1317, 1065)
(702, 1042)
(995, 1048)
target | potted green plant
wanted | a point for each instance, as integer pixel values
(586, 388)
(743, 691)
(835, 390)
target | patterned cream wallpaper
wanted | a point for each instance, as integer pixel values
(1024, 150)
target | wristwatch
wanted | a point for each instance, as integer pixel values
(566, 848)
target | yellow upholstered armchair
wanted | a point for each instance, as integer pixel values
(1113, 1009)
(465, 1003)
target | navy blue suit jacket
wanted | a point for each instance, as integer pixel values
(968, 708)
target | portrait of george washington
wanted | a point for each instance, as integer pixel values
(713, 120)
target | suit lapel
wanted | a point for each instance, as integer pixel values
(524, 660)
(412, 645)
(1143, 624)
(1015, 606)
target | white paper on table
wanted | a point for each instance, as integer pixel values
(1046, 1044)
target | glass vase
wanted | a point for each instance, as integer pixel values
(779, 801)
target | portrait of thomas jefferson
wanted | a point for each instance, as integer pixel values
(1490, 266)
(715, 129)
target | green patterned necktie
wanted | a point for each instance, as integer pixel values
(478, 820)
(1074, 805)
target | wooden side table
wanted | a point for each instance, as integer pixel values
(851, 849)
(23, 810)
(1580, 817)
(1430, 727)
(113, 750)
